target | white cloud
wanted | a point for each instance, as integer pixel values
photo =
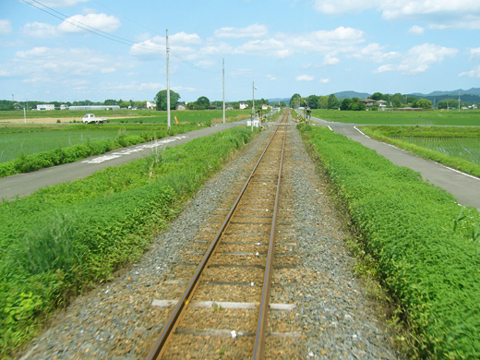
(78, 23)
(184, 38)
(324, 81)
(474, 54)
(440, 14)
(273, 47)
(329, 60)
(61, 64)
(416, 30)
(39, 30)
(252, 31)
(337, 7)
(474, 73)
(5, 27)
(419, 59)
(271, 77)
(375, 52)
(179, 43)
(305, 78)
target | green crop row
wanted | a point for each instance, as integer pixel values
(58, 241)
(62, 155)
(389, 135)
(426, 246)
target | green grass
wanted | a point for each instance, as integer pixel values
(425, 245)
(60, 240)
(457, 147)
(467, 117)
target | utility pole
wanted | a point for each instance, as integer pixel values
(223, 72)
(459, 102)
(168, 83)
(253, 94)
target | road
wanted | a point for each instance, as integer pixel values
(25, 184)
(464, 187)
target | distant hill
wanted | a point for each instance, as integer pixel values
(351, 94)
(471, 96)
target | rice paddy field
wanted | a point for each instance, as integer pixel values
(464, 148)
(437, 117)
(457, 147)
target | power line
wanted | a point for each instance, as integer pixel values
(57, 14)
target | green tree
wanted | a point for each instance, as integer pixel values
(346, 104)
(161, 99)
(424, 104)
(313, 102)
(377, 96)
(295, 101)
(203, 102)
(333, 102)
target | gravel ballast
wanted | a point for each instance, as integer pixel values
(118, 321)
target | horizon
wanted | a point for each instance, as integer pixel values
(75, 50)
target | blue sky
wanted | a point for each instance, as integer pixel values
(69, 50)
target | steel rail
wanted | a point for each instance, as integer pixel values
(174, 319)
(259, 350)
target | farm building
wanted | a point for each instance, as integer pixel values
(46, 107)
(95, 107)
(151, 105)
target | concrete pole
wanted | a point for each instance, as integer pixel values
(168, 83)
(223, 71)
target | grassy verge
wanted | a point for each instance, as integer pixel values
(389, 135)
(60, 240)
(84, 148)
(426, 247)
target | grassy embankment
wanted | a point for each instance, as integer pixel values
(59, 241)
(426, 247)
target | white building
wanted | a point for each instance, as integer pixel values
(243, 106)
(46, 107)
(151, 105)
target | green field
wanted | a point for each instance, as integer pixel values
(457, 147)
(463, 148)
(15, 140)
(467, 117)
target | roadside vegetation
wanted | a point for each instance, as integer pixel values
(457, 147)
(62, 240)
(425, 246)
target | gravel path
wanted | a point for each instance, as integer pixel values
(118, 321)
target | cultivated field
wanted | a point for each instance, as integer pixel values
(122, 115)
(438, 117)
(457, 147)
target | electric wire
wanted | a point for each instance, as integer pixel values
(57, 14)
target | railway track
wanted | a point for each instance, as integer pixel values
(224, 308)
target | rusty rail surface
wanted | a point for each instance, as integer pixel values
(176, 315)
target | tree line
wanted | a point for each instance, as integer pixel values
(397, 100)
